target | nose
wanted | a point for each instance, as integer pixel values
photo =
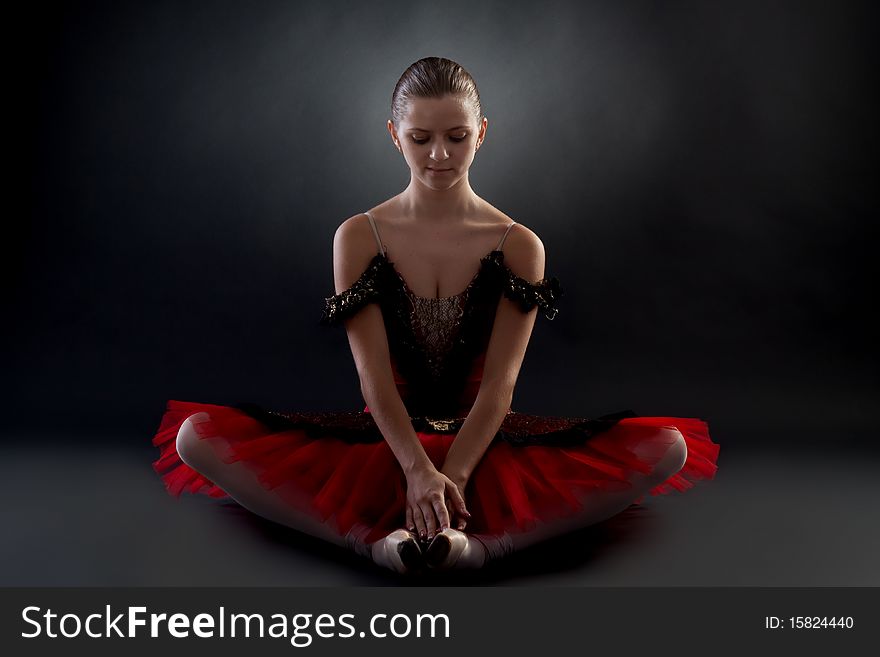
(439, 153)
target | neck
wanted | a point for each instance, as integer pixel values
(452, 205)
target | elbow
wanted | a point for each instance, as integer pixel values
(498, 391)
(370, 396)
(366, 376)
(374, 387)
(366, 388)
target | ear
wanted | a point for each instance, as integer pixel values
(484, 124)
(393, 134)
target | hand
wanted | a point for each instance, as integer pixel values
(427, 491)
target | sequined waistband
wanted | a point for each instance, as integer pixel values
(434, 423)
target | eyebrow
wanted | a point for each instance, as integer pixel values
(458, 127)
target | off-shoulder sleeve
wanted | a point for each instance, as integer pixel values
(365, 290)
(545, 293)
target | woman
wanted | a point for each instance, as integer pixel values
(438, 292)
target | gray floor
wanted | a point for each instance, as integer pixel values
(98, 516)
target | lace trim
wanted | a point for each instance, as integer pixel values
(519, 429)
(366, 289)
(544, 294)
(379, 279)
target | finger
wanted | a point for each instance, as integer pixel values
(459, 501)
(455, 518)
(430, 519)
(410, 525)
(419, 520)
(442, 513)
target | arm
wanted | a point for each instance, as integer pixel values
(353, 248)
(427, 488)
(511, 331)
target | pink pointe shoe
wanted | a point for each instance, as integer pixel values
(452, 548)
(399, 551)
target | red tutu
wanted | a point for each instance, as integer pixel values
(346, 484)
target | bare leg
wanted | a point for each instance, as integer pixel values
(598, 506)
(242, 485)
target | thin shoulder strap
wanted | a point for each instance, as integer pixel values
(375, 232)
(504, 237)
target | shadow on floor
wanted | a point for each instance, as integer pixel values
(558, 556)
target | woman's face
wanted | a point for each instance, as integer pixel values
(438, 138)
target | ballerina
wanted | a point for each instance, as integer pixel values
(438, 292)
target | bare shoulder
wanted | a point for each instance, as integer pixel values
(524, 253)
(352, 234)
(354, 246)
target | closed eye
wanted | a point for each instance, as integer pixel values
(423, 141)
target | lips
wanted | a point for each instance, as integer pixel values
(438, 170)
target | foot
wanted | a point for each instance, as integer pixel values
(454, 549)
(399, 551)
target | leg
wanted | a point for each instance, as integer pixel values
(398, 551)
(242, 484)
(667, 442)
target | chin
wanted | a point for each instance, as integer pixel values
(445, 183)
(434, 185)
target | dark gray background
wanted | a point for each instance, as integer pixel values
(702, 176)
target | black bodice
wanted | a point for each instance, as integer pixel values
(436, 344)
(437, 347)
